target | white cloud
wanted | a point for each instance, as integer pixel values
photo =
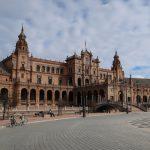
(57, 28)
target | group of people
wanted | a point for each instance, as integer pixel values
(13, 121)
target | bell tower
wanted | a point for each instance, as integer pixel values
(117, 68)
(22, 58)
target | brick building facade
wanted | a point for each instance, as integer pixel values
(34, 82)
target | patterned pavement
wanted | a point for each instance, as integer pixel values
(107, 132)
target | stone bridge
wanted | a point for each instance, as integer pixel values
(110, 105)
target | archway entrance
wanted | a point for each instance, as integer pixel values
(138, 99)
(24, 95)
(4, 95)
(42, 96)
(49, 95)
(33, 95)
(144, 99)
(120, 97)
(57, 95)
(64, 97)
(102, 94)
(70, 98)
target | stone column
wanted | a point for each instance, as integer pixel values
(67, 98)
(53, 98)
(45, 99)
(37, 98)
(28, 99)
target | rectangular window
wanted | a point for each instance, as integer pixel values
(38, 79)
(62, 71)
(60, 82)
(57, 70)
(53, 70)
(49, 80)
(48, 69)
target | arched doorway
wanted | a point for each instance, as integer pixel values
(138, 99)
(57, 95)
(42, 95)
(49, 95)
(144, 99)
(4, 94)
(102, 94)
(64, 97)
(79, 81)
(70, 98)
(33, 95)
(24, 94)
(79, 99)
(120, 98)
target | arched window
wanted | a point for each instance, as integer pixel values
(53, 70)
(48, 69)
(38, 68)
(43, 68)
(86, 81)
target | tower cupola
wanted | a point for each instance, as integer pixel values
(21, 45)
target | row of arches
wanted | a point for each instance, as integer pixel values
(138, 98)
(48, 95)
(94, 96)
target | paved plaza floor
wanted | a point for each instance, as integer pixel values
(104, 132)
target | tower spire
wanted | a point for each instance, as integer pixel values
(85, 45)
(22, 29)
(22, 35)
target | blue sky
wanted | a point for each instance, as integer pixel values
(57, 28)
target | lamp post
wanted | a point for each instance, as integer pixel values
(126, 97)
(28, 97)
(60, 102)
(83, 94)
(83, 105)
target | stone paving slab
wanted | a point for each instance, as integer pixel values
(103, 132)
